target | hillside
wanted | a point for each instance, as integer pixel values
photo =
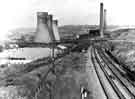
(125, 51)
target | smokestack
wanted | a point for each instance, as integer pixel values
(101, 20)
(42, 34)
(55, 22)
(55, 30)
(105, 20)
(50, 27)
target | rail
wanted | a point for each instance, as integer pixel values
(117, 75)
(114, 82)
(98, 75)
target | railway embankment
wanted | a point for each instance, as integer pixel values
(125, 50)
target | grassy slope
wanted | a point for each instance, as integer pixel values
(125, 51)
(70, 72)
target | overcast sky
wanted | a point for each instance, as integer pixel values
(22, 13)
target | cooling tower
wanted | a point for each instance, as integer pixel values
(25, 55)
(101, 20)
(55, 30)
(50, 27)
(42, 34)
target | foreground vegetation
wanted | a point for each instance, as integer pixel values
(63, 83)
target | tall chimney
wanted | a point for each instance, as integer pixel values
(105, 20)
(50, 27)
(101, 20)
(55, 30)
(42, 34)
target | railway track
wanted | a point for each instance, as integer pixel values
(121, 66)
(118, 73)
(108, 89)
(98, 75)
(121, 91)
(124, 87)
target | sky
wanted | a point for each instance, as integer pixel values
(22, 13)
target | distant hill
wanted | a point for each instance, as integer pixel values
(22, 34)
(126, 34)
(24, 30)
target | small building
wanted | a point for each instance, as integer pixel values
(94, 33)
(91, 33)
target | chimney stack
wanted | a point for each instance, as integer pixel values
(42, 34)
(55, 22)
(50, 27)
(55, 30)
(105, 20)
(101, 20)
